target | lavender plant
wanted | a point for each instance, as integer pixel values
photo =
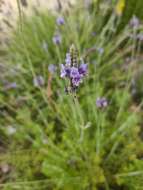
(50, 141)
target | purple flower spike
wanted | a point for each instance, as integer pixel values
(57, 39)
(72, 70)
(60, 21)
(38, 81)
(101, 102)
(83, 69)
(52, 68)
(134, 22)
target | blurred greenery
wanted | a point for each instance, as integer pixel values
(131, 8)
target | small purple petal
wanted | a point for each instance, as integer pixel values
(134, 22)
(77, 80)
(52, 68)
(98, 102)
(65, 71)
(57, 39)
(38, 81)
(101, 102)
(83, 69)
(104, 102)
(10, 85)
(74, 72)
(68, 71)
(60, 21)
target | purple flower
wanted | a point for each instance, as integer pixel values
(134, 22)
(77, 80)
(57, 39)
(65, 71)
(83, 69)
(68, 59)
(60, 21)
(101, 102)
(75, 76)
(52, 68)
(10, 85)
(38, 81)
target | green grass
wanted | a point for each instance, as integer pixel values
(64, 144)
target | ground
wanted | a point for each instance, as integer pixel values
(9, 12)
